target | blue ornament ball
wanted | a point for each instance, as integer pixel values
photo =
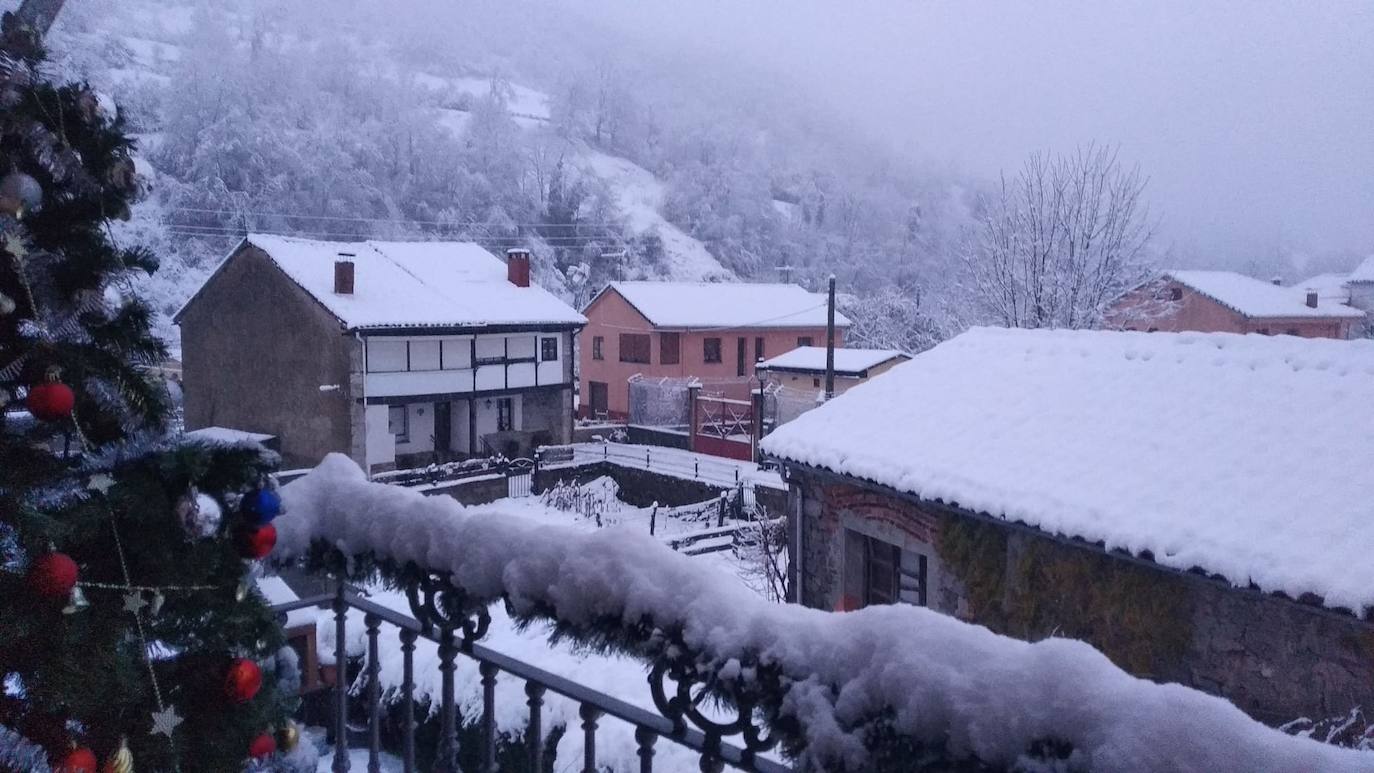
(262, 505)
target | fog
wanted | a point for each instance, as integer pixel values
(1254, 122)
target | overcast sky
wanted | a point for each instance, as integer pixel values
(1254, 121)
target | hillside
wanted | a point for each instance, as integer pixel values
(610, 161)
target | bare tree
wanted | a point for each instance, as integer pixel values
(764, 558)
(1057, 243)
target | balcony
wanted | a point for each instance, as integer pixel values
(733, 680)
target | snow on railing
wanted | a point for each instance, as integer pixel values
(868, 690)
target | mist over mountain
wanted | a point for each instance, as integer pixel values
(720, 142)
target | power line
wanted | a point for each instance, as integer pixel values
(354, 219)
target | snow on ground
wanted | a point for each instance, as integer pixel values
(1247, 456)
(621, 677)
(639, 195)
(941, 679)
(715, 470)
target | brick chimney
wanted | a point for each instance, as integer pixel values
(343, 274)
(1312, 299)
(518, 267)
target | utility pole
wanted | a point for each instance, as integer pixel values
(830, 342)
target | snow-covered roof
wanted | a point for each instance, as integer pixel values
(227, 435)
(1363, 272)
(414, 284)
(847, 361)
(695, 305)
(1254, 298)
(1330, 288)
(1247, 456)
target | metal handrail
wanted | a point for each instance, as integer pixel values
(649, 726)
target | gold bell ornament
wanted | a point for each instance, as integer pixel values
(288, 736)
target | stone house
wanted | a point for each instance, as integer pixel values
(713, 332)
(1227, 302)
(1194, 505)
(395, 353)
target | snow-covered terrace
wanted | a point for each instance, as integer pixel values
(826, 680)
(1246, 457)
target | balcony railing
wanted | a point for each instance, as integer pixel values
(680, 721)
(731, 676)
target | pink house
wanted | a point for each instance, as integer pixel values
(712, 331)
(1227, 302)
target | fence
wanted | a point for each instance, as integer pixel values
(659, 402)
(433, 603)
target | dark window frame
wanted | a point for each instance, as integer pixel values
(805, 341)
(669, 354)
(635, 348)
(404, 435)
(710, 350)
(545, 342)
(598, 344)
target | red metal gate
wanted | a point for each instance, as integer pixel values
(723, 427)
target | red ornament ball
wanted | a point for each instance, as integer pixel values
(53, 576)
(262, 746)
(243, 680)
(79, 761)
(50, 401)
(257, 541)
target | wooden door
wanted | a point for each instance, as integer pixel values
(599, 398)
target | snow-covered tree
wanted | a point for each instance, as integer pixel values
(1057, 243)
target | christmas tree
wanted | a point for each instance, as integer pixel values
(130, 630)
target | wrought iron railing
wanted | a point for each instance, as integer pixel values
(442, 616)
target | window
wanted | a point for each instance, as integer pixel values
(1292, 331)
(398, 423)
(739, 357)
(669, 348)
(387, 355)
(815, 382)
(424, 355)
(804, 341)
(548, 349)
(758, 349)
(1175, 293)
(505, 414)
(887, 573)
(710, 350)
(634, 347)
(597, 342)
(456, 353)
(1264, 331)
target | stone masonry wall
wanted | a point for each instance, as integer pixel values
(1276, 659)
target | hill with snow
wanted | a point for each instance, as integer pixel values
(515, 123)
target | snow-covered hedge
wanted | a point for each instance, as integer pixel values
(842, 680)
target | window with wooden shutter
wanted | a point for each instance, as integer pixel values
(669, 348)
(634, 347)
(710, 350)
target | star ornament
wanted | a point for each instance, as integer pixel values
(134, 602)
(100, 482)
(165, 721)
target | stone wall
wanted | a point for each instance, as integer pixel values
(478, 490)
(1276, 659)
(256, 350)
